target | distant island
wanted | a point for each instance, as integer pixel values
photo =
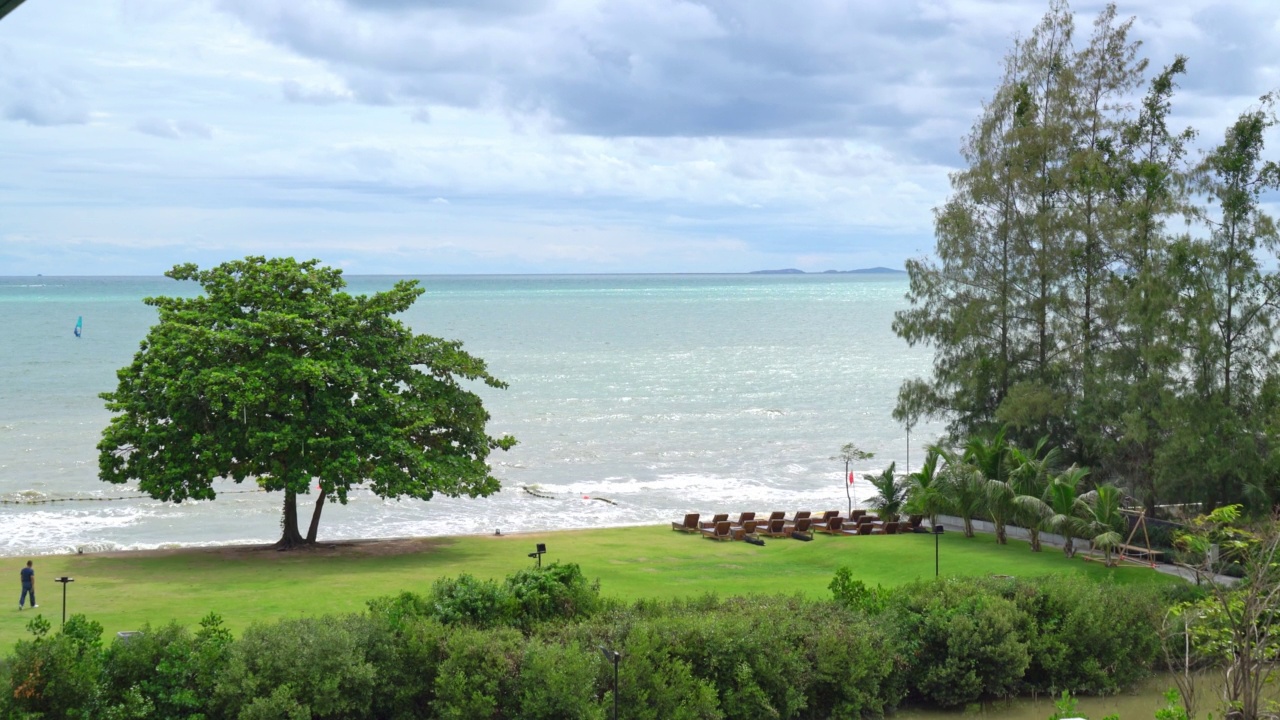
(862, 271)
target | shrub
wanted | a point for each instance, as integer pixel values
(155, 668)
(526, 597)
(477, 677)
(657, 685)
(165, 670)
(855, 595)
(970, 642)
(1088, 638)
(754, 658)
(406, 650)
(558, 682)
(465, 600)
(554, 592)
(56, 676)
(312, 664)
(859, 666)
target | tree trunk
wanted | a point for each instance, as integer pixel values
(1001, 539)
(968, 527)
(1069, 548)
(1035, 539)
(289, 536)
(315, 518)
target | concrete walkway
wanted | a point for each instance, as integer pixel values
(955, 524)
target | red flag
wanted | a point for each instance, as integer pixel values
(850, 477)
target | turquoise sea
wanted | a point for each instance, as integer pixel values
(663, 394)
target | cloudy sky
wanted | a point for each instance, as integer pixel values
(525, 136)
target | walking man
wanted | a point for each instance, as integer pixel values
(28, 586)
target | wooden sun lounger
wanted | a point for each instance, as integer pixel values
(801, 527)
(743, 531)
(721, 531)
(863, 528)
(775, 528)
(718, 517)
(831, 527)
(889, 528)
(775, 515)
(826, 516)
(690, 524)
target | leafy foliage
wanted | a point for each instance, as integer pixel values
(276, 374)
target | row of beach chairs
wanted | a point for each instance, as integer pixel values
(800, 525)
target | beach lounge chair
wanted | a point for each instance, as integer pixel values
(859, 529)
(800, 530)
(834, 526)
(825, 517)
(743, 518)
(743, 531)
(800, 515)
(718, 517)
(912, 524)
(690, 524)
(776, 528)
(775, 515)
(889, 528)
(721, 531)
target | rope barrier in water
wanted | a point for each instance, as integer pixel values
(105, 499)
(532, 491)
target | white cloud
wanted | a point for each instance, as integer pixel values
(503, 135)
(173, 129)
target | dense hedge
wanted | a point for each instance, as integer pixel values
(529, 648)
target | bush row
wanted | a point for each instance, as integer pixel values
(942, 643)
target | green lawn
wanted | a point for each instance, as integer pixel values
(124, 591)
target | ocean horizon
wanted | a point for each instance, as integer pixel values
(635, 398)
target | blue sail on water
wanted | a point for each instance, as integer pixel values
(79, 324)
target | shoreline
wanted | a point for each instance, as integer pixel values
(341, 547)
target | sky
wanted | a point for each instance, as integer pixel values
(527, 136)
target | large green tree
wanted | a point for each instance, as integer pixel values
(1231, 292)
(1012, 302)
(277, 375)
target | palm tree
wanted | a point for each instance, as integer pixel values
(991, 457)
(964, 488)
(892, 494)
(1029, 474)
(1061, 507)
(925, 492)
(1104, 520)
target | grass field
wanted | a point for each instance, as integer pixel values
(124, 590)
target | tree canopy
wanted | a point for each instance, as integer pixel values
(275, 373)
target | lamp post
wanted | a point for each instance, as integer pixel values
(937, 530)
(538, 553)
(64, 580)
(613, 656)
